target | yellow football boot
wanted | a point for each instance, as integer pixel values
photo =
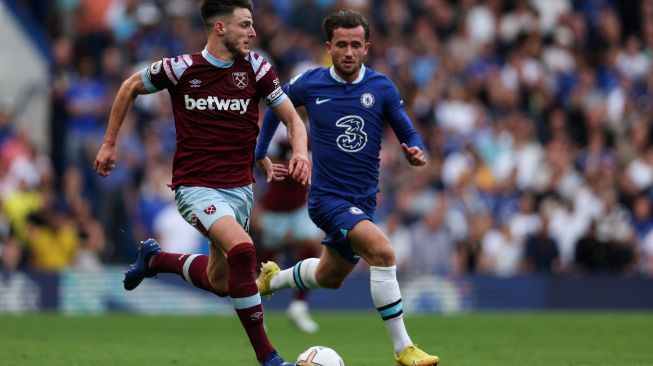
(268, 270)
(413, 356)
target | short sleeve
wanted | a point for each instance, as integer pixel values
(267, 81)
(165, 73)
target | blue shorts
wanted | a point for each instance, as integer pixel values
(336, 217)
(202, 207)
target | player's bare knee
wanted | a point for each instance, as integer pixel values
(384, 257)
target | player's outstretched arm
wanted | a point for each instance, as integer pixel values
(299, 167)
(105, 160)
(414, 155)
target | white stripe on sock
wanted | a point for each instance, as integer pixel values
(246, 302)
(186, 269)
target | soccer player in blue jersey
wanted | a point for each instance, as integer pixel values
(346, 105)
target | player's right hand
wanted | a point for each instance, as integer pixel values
(273, 172)
(105, 160)
(300, 168)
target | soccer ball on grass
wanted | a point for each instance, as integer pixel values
(319, 356)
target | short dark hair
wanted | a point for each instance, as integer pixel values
(212, 8)
(345, 19)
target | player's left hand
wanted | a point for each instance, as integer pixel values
(273, 172)
(300, 168)
(414, 155)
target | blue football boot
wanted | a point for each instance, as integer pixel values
(139, 270)
(274, 359)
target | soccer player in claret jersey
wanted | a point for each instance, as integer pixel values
(346, 105)
(215, 95)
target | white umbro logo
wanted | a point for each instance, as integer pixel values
(319, 101)
(195, 83)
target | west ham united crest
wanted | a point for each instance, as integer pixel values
(210, 210)
(240, 79)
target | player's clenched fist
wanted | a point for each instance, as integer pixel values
(105, 160)
(300, 168)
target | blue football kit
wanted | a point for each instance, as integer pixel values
(346, 132)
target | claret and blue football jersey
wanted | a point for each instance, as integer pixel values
(215, 107)
(346, 123)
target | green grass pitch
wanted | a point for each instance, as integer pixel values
(490, 339)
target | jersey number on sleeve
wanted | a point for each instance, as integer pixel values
(354, 138)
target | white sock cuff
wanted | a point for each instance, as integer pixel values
(383, 273)
(304, 274)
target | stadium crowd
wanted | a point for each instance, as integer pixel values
(537, 116)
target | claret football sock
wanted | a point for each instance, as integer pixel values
(246, 298)
(387, 300)
(191, 267)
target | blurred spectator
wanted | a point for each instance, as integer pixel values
(90, 234)
(566, 227)
(615, 222)
(501, 253)
(541, 253)
(632, 60)
(590, 253)
(471, 246)
(639, 172)
(86, 104)
(526, 221)
(642, 223)
(52, 240)
(432, 248)
(62, 72)
(18, 206)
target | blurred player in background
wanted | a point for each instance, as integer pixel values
(347, 105)
(215, 95)
(286, 228)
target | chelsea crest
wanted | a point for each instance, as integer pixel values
(367, 100)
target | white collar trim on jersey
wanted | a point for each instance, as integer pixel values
(361, 74)
(216, 62)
